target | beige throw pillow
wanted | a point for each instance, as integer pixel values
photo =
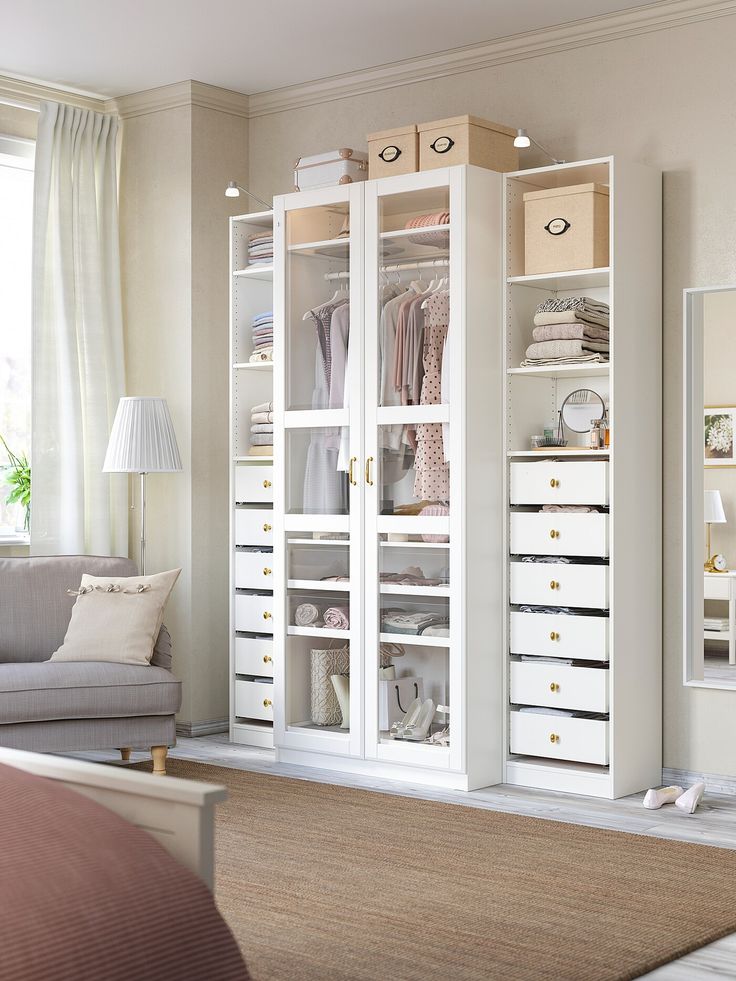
(117, 619)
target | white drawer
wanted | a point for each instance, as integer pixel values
(717, 589)
(559, 534)
(557, 635)
(254, 655)
(254, 700)
(254, 526)
(562, 738)
(254, 613)
(559, 686)
(253, 570)
(253, 484)
(568, 482)
(557, 584)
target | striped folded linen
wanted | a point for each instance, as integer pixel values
(583, 359)
(569, 332)
(306, 614)
(565, 349)
(337, 618)
(261, 439)
(262, 427)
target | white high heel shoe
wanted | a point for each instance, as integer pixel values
(419, 729)
(412, 714)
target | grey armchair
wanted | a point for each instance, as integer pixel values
(75, 706)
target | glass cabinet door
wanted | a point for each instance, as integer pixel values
(317, 449)
(411, 332)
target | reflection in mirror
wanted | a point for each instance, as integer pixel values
(710, 487)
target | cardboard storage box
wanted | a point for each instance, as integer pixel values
(393, 151)
(566, 228)
(467, 140)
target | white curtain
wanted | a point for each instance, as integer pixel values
(78, 358)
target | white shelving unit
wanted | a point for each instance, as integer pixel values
(251, 640)
(463, 669)
(616, 597)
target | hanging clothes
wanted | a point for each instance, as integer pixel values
(432, 478)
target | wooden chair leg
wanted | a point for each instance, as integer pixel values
(125, 754)
(159, 760)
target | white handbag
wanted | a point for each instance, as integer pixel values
(394, 698)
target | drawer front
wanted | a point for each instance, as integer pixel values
(557, 635)
(556, 584)
(716, 589)
(254, 614)
(254, 700)
(561, 738)
(254, 656)
(567, 482)
(559, 686)
(559, 534)
(253, 484)
(254, 570)
(254, 526)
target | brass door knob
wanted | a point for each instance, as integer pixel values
(266, 526)
(554, 686)
(554, 482)
(266, 615)
(267, 659)
(553, 584)
(553, 737)
(554, 635)
(266, 484)
(266, 571)
(267, 703)
(554, 534)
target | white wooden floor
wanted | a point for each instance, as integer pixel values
(714, 823)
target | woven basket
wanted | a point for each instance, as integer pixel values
(325, 663)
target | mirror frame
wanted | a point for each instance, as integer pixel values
(692, 488)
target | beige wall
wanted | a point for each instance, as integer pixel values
(173, 216)
(662, 98)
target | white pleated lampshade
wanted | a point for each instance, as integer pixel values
(713, 508)
(142, 438)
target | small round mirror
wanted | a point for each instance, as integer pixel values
(580, 407)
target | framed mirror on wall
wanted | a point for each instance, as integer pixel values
(709, 492)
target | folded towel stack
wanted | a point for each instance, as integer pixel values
(260, 249)
(262, 329)
(261, 429)
(569, 331)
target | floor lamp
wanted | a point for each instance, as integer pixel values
(142, 441)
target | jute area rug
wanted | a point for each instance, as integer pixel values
(327, 883)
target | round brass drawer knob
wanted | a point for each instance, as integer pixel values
(554, 686)
(554, 534)
(266, 484)
(554, 635)
(553, 737)
(266, 615)
(554, 584)
(266, 527)
(554, 482)
(267, 659)
(267, 703)
(266, 571)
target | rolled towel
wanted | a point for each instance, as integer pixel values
(306, 614)
(570, 332)
(337, 617)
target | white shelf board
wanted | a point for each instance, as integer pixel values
(561, 451)
(715, 634)
(263, 219)
(331, 248)
(415, 640)
(318, 632)
(414, 544)
(562, 282)
(319, 541)
(253, 459)
(264, 272)
(253, 366)
(589, 370)
(396, 589)
(319, 730)
(404, 232)
(318, 584)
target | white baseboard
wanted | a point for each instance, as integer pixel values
(714, 782)
(208, 728)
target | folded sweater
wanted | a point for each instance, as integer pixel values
(565, 349)
(568, 332)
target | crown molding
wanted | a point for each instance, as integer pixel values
(25, 93)
(518, 47)
(189, 93)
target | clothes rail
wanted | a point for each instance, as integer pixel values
(395, 267)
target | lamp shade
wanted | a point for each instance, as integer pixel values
(713, 512)
(142, 438)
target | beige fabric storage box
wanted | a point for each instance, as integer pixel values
(393, 151)
(566, 228)
(467, 140)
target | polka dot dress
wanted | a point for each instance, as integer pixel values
(432, 477)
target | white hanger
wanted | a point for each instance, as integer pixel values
(341, 293)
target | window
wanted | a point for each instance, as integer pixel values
(16, 228)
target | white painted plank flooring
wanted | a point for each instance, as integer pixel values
(714, 823)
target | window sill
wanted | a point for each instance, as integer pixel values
(18, 539)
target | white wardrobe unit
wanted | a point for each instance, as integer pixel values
(607, 584)
(251, 497)
(351, 474)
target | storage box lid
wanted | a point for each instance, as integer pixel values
(390, 134)
(559, 192)
(466, 121)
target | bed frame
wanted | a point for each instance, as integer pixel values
(178, 813)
